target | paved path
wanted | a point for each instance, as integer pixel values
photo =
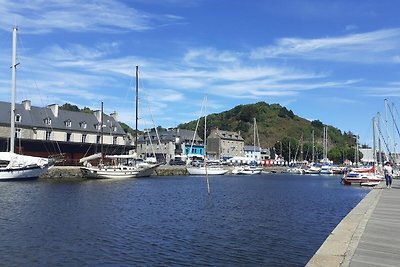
(368, 236)
(380, 243)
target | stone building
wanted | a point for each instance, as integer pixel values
(224, 144)
(170, 144)
(50, 130)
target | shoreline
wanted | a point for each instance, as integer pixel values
(73, 172)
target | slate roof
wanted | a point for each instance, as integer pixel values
(226, 135)
(36, 116)
(251, 148)
(171, 135)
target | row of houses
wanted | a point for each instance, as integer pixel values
(51, 130)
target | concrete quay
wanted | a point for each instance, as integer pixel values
(368, 236)
(73, 172)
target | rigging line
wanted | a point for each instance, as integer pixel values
(151, 143)
(41, 100)
(197, 125)
(397, 129)
(386, 145)
(155, 128)
(152, 119)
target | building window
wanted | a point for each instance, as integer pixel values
(98, 139)
(48, 135)
(68, 137)
(18, 118)
(47, 121)
(83, 138)
(114, 128)
(114, 140)
(18, 133)
(68, 123)
(83, 125)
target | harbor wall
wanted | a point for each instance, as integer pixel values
(73, 172)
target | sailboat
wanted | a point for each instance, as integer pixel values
(14, 166)
(206, 168)
(252, 168)
(122, 166)
(364, 176)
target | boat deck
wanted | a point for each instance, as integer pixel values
(369, 235)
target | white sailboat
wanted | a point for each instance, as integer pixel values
(207, 168)
(14, 166)
(122, 166)
(252, 168)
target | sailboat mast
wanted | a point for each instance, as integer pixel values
(205, 127)
(137, 107)
(101, 129)
(13, 91)
(374, 144)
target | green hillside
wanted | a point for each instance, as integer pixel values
(277, 127)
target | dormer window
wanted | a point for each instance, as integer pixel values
(68, 123)
(47, 121)
(18, 118)
(114, 128)
(83, 125)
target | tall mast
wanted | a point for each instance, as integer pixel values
(137, 107)
(387, 129)
(313, 147)
(380, 158)
(373, 143)
(205, 127)
(102, 133)
(13, 91)
(394, 135)
(254, 135)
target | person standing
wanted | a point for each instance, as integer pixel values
(388, 171)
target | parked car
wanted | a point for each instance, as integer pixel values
(177, 162)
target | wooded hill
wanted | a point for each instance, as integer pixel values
(280, 128)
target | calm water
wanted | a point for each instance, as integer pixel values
(267, 220)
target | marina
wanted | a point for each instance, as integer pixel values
(262, 220)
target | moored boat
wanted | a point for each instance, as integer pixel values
(15, 166)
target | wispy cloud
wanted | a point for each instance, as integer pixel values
(42, 16)
(370, 47)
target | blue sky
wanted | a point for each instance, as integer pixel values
(335, 61)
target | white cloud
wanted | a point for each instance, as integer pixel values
(377, 46)
(42, 16)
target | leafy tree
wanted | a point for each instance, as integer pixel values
(317, 124)
(69, 107)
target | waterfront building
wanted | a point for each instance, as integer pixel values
(170, 144)
(51, 130)
(253, 153)
(225, 144)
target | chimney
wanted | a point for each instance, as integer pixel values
(26, 104)
(54, 109)
(97, 113)
(114, 115)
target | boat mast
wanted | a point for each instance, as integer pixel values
(380, 158)
(137, 108)
(374, 144)
(313, 147)
(13, 91)
(101, 131)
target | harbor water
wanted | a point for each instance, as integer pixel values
(263, 220)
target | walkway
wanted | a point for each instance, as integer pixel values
(368, 236)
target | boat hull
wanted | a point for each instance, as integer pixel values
(362, 179)
(26, 173)
(203, 171)
(117, 172)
